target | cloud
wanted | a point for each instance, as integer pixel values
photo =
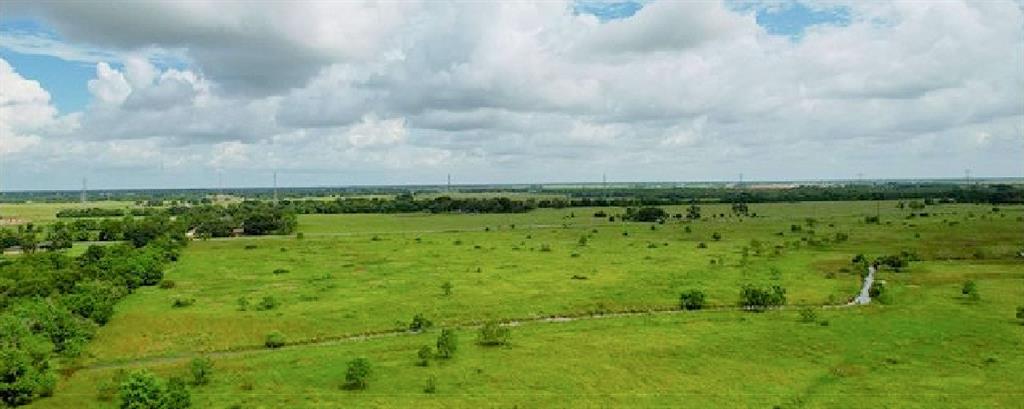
(537, 91)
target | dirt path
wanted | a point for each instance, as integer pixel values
(862, 299)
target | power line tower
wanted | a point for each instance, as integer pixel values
(967, 177)
(449, 188)
(275, 187)
(82, 197)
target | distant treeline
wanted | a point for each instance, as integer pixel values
(246, 218)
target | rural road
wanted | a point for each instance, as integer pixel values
(862, 299)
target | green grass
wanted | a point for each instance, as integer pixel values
(42, 213)
(354, 274)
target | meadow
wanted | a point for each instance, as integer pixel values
(348, 286)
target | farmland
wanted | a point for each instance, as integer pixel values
(593, 309)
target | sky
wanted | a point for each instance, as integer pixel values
(172, 94)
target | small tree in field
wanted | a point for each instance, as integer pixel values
(177, 395)
(447, 343)
(691, 300)
(716, 236)
(357, 374)
(970, 290)
(492, 334)
(1020, 314)
(759, 299)
(420, 323)
(446, 288)
(201, 368)
(142, 390)
(424, 355)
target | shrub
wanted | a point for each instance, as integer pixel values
(687, 229)
(582, 241)
(141, 390)
(243, 303)
(447, 343)
(759, 299)
(431, 385)
(107, 389)
(176, 395)
(970, 290)
(420, 323)
(1020, 314)
(424, 355)
(275, 339)
(167, 284)
(492, 334)
(280, 271)
(357, 374)
(808, 314)
(446, 288)
(300, 235)
(201, 368)
(691, 300)
(702, 245)
(268, 302)
(180, 302)
(716, 236)
(545, 247)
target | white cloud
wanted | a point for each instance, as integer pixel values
(527, 91)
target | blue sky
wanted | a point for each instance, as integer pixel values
(400, 92)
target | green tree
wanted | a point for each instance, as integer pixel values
(970, 290)
(358, 373)
(758, 299)
(424, 355)
(420, 323)
(142, 390)
(176, 396)
(691, 300)
(201, 368)
(492, 334)
(447, 343)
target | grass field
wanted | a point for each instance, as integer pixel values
(356, 274)
(42, 213)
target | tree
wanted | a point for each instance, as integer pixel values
(176, 396)
(1020, 314)
(716, 236)
(420, 323)
(274, 339)
(358, 373)
(762, 298)
(693, 212)
(691, 300)
(201, 368)
(424, 355)
(970, 290)
(142, 390)
(493, 334)
(446, 288)
(447, 343)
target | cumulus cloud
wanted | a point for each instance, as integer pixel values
(536, 91)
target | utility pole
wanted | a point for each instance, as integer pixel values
(967, 177)
(449, 188)
(82, 197)
(275, 187)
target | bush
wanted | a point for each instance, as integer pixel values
(424, 355)
(759, 299)
(1020, 314)
(167, 284)
(702, 245)
(447, 343)
(691, 300)
(275, 339)
(431, 386)
(970, 290)
(176, 396)
(357, 374)
(243, 303)
(716, 236)
(420, 323)
(201, 368)
(545, 247)
(107, 389)
(493, 334)
(808, 314)
(280, 271)
(446, 288)
(142, 390)
(267, 303)
(182, 302)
